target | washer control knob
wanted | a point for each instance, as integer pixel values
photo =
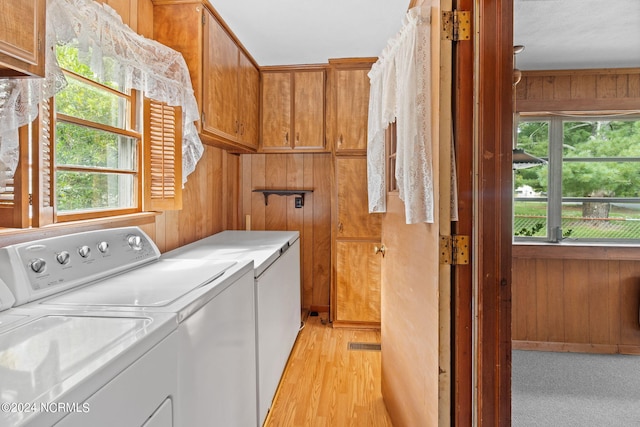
(63, 257)
(103, 247)
(135, 242)
(84, 251)
(37, 265)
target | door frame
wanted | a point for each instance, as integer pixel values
(483, 132)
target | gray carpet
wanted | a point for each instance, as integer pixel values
(575, 389)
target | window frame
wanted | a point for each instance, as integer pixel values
(128, 130)
(555, 162)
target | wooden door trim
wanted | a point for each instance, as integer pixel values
(493, 209)
(483, 147)
(462, 275)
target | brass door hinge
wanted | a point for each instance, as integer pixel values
(456, 25)
(454, 250)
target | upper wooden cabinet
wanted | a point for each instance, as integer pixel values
(293, 110)
(350, 104)
(22, 32)
(225, 79)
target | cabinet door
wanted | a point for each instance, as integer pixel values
(352, 107)
(354, 220)
(22, 35)
(249, 102)
(220, 82)
(276, 110)
(308, 109)
(357, 281)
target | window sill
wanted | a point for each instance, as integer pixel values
(12, 236)
(587, 251)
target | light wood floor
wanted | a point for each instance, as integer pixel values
(325, 384)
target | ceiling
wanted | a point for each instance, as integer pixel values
(577, 34)
(286, 32)
(557, 34)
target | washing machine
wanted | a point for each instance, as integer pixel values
(120, 271)
(74, 368)
(276, 259)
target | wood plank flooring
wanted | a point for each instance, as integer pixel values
(325, 384)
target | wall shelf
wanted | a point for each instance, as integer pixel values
(269, 192)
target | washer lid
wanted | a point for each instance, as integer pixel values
(46, 357)
(263, 247)
(154, 285)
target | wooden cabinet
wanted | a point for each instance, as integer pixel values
(356, 235)
(22, 33)
(293, 110)
(225, 79)
(356, 271)
(358, 284)
(351, 109)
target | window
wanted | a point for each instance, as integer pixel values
(97, 147)
(590, 188)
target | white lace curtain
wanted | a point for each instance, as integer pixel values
(98, 32)
(401, 91)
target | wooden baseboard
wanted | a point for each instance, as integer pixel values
(319, 308)
(356, 325)
(575, 347)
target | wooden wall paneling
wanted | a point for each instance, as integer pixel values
(583, 87)
(171, 231)
(579, 90)
(309, 279)
(245, 192)
(577, 304)
(607, 86)
(220, 192)
(562, 87)
(576, 301)
(232, 220)
(531, 298)
(542, 300)
(599, 314)
(552, 281)
(258, 181)
(322, 184)
(287, 171)
(630, 302)
(633, 82)
(518, 295)
(276, 177)
(615, 302)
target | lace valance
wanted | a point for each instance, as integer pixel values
(98, 32)
(401, 91)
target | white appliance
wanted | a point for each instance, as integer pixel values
(120, 271)
(276, 258)
(72, 368)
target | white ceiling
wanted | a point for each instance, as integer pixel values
(283, 32)
(577, 34)
(557, 34)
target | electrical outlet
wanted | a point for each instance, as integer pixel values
(299, 202)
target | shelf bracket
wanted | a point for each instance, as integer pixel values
(268, 192)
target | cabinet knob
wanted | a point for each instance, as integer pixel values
(286, 139)
(340, 227)
(340, 141)
(382, 249)
(297, 138)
